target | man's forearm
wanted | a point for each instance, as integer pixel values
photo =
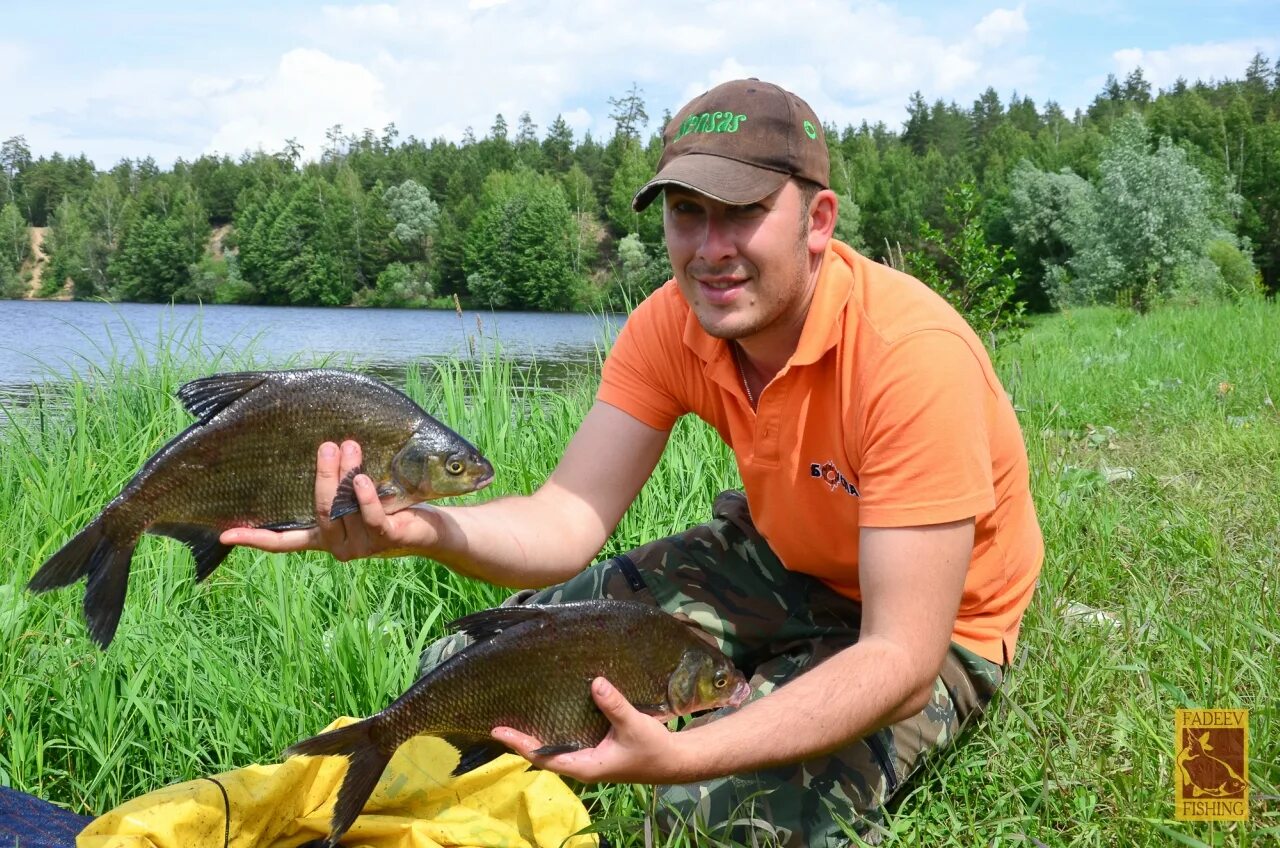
(547, 537)
(856, 692)
(518, 542)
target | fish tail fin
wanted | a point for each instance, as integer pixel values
(92, 553)
(71, 562)
(104, 594)
(367, 763)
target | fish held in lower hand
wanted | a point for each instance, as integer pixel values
(531, 669)
(249, 461)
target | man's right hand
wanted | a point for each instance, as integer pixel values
(369, 532)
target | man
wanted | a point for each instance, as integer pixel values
(890, 545)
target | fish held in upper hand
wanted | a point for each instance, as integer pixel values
(531, 668)
(249, 461)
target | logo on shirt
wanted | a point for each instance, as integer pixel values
(832, 476)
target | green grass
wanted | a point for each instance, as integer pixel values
(1155, 453)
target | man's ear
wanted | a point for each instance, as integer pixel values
(822, 220)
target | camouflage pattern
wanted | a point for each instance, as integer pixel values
(774, 624)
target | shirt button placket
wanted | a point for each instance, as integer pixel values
(768, 412)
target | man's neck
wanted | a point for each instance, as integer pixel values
(764, 354)
(762, 359)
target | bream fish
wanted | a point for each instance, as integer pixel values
(249, 461)
(531, 668)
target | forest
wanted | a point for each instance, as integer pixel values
(1005, 206)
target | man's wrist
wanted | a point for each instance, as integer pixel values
(690, 760)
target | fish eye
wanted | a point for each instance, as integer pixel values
(722, 680)
(453, 466)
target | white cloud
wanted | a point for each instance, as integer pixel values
(1001, 26)
(170, 112)
(448, 67)
(579, 120)
(1210, 60)
(308, 92)
(436, 67)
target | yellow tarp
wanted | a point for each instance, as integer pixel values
(416, 805)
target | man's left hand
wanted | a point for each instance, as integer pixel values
(638, 749)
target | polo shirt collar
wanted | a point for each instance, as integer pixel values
(822, 326)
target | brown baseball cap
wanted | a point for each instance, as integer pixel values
(738, 143)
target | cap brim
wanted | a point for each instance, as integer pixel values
(726, 180)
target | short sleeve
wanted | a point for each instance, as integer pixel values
(926, 453)
(638, 375)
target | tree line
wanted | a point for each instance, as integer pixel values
(1138, 198)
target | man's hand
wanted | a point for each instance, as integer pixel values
(368, 532)
(638, 749)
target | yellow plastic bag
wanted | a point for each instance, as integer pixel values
(502, 804)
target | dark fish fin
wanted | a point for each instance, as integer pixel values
(476, 754)
(368, 762)
(548, 750)
(104, 594)
(288, 525)
(72, 561)
(489, 623)
(207, 396)
(91, 553)
(203, 542)
(344, 741)
(344, 500)
(651, 709)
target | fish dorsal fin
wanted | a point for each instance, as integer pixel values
(207, 396)
(489, 623)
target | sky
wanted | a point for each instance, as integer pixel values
(136, 78)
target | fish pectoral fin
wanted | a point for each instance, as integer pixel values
(550, 750)
(203, 542)
(655, 710)
(344, 500)
(489, 623)
(295, 524)
(207, 396)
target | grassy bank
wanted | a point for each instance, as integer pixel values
(1155, 454)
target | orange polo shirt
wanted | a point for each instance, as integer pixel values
(888, 414)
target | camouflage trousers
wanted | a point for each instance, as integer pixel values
(774, 624)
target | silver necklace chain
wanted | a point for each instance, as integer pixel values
(737, 358)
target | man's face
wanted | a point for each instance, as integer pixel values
(744, 270)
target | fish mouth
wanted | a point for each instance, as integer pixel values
(741, 693)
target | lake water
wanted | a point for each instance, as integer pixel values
(45, 342)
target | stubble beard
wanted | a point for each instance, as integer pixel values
(798, 268)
